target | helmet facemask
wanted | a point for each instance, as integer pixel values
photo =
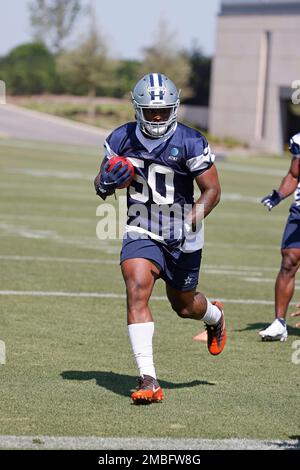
(154, 128)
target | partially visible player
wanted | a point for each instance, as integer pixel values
(296, 314)
(290, 248)
(168, 157)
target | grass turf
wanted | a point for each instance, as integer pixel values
(69, 365)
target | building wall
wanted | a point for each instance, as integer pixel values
(194, 115)
(241, 104)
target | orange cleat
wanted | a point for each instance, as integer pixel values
(148, 391)
(216, 334)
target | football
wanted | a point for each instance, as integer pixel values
(113, 162)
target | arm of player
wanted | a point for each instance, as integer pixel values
(287, 187)
(290, 181)
(209, 185)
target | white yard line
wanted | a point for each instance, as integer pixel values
(111, 295)
(68, 175)
(49, 259)
(100, 443)
(94, 243)
(237, 197)
(49, 218)
(244, 272)
(97, 295)
(255, 170)
(261, 217)
(243, 268)
(69, 149)
(212, 267)
(230, 272)
(88, 242)
(243, 246)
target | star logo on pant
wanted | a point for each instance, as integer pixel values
(188, 280)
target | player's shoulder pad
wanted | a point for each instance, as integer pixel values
(199, 157)
(114, 143)
(296, 138)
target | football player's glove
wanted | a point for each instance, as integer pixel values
(183, 233)
(175, 243)
(108, 181)
(295, 145)
(272, 199)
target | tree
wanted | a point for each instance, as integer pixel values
(52, 21)
(128, 73)
(84, 68)
(200, 76)
(87, 68)
(165, 57)
(29, 69)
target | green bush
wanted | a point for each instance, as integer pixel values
(29, 69)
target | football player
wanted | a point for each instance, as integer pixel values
(168, 156)
(290, 248)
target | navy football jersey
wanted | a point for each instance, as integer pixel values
(164, 172)
(296, 202)
(295, 207)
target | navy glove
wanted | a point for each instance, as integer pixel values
(110, 180)
(175, 243)
(272, 200)
(295, 145)
(183, 233)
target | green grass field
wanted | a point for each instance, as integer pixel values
(69, 366)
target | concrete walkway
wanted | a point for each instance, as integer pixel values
(21, 123)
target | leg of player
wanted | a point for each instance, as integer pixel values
(140, 275)
(194, 305)
(285, 282)
(284, 290)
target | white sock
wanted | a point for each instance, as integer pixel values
(212, 315)
(140, 335)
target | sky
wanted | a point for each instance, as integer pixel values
(129, 25)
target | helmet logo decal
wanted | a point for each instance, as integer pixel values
(156, 89)
(157, 92)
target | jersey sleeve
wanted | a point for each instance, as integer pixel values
(294, 147)
(199, 156)
(114, 144)
(110, 146)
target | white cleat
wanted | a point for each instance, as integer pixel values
(275, 332)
